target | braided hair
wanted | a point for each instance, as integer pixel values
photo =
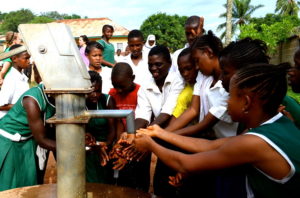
(266, 81)
(245, 52)
(208, 40)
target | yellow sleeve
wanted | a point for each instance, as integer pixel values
(183, 101)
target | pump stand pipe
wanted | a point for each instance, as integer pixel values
(129, 114)
(70, 120)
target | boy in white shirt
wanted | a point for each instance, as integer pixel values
(156, 102)
(15, 82)
(137, 60)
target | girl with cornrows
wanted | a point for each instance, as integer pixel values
(268, 147)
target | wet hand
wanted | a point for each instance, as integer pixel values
(152, 131)
(176, 180)
(103, 153)
(126, 139)
(142, 142)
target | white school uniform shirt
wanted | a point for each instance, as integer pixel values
(151, 100)
(174, 67)
(106, 79)
(214, 100)
(141, 71)
(14, 85)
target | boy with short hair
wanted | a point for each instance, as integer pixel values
(15, 82)
(136, 59)
(124, 94)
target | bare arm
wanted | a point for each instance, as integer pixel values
(140, 123)
(104, 62)
(189, 144)
(6, 107)
(187, 116)
(112, 123)
(161, 119)
(4, 69)
(239, 150)
(36, 124)
(208, 122)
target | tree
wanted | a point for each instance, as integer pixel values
(2, 15)
(14, 18)
(228, 22)
(41, 19)
(241, 14)
(271, 34)
(168, 29)
(57, 16)
(287, 7)
(270, 19)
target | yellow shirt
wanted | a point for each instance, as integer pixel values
(183, 101)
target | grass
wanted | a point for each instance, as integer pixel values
(294, 95)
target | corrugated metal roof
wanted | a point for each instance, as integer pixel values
(92, 27)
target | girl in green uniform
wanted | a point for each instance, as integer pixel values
(21, 129)
(109, 49)
(102, 130)
(270, 146)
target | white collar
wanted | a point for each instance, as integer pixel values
(273, 119)
(152, 85)
(19, 75)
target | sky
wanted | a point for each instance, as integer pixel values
(131, 13)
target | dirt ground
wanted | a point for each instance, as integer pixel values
(50, 175)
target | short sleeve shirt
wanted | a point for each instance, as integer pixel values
(152, 101)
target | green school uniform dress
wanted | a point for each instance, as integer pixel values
(293, 107)
(99, 128)
(282, 134)
(108, 52)
(7, 60)
(17, 158)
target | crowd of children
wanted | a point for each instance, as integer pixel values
(218, 119)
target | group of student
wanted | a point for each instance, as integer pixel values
(204, 109)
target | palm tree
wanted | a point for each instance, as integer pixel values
(228, 22)
(241, 14)
(287, 7)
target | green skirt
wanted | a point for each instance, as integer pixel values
(17, 164)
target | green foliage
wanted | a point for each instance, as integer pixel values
(10, 21)
(241, 14)
(57, 16)
(271, 34)
(168, 29)
(14, 18)
(270, 19)
(287, 7)
(41, 19)
(2, 15)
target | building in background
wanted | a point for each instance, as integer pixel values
(92, 28)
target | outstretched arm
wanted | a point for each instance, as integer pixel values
(190, 144)
(187, 116)
(208, 122)
(162, 119)
(36, 124)
(236, 151)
